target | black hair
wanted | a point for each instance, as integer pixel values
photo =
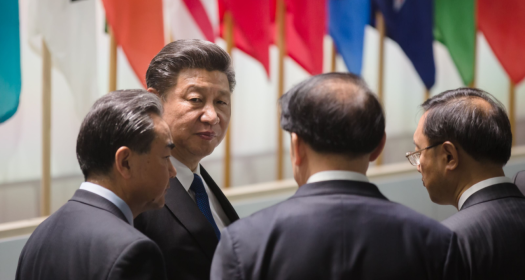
(164, 69)
(120, 118)
(334, 113)
(472, 118)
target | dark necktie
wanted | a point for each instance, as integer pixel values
(201, 197)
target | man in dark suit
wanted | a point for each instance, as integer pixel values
(123, 149)
(463, 140)
(519, 180)
(337, 225)
(195, 80)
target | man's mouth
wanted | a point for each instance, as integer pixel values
(207, 135)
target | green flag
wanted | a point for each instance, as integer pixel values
(455, 27)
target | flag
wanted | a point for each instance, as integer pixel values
(503, 24)
(305, 30)
(455, 27)
(305, 26)
(68, 28)
(346, 24)
(193, 19)
(138, 28)
(10, 72)
(251, 20)
(409, 23)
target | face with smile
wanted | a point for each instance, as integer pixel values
(197, 110)
(153, 170)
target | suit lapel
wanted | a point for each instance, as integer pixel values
(225, 203)
(491, 193)
(182, 206)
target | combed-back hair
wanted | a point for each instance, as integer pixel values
(334, 113)
(164, 69)
(472, 119)
(120, 118)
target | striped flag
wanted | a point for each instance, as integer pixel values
(193, 19)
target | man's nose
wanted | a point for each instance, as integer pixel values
(173, 171)
(210, 115)
(419, 167)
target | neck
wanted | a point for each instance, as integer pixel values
(468, 180)
(325, 162)
(189, 160)
(119, 190)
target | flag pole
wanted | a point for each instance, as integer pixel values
(380, 25)
(427, 93)
(112, 60)
(281, 10)
(45, 196)
(473, 82)
(334, 56)
(228, 35)
(512, 113)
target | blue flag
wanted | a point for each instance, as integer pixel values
(10, 73)
(409, 23)
(346, 23)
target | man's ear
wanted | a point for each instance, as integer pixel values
(297, 149)
(377, 151)
(152, 90)
(451, 155)
(123, 162)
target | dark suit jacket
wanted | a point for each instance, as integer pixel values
(89, 238)
(337, 230)
(185, 237)
(491, 232)
(519, 180)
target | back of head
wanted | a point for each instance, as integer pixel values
(163, 70)
(120, 118)
(472, 118)
(334, 113)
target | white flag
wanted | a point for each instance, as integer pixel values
(68, 28)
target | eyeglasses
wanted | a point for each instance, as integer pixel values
(413, 157)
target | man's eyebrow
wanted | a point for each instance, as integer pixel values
(415, 144)
(170, 145)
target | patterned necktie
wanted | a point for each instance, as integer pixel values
(201, 197)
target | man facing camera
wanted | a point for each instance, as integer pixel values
(337, 225)
(123, 149)
(463, 140)
(195, 80)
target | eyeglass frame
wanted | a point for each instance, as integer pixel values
(409, 154)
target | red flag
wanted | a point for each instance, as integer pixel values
(251, 27)
(503, 24)
(138, 29)
(304, 31)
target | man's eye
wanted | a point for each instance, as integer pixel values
(195, 100)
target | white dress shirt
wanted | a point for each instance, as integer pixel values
(111, 196)
(337, 175)
(185, 176)
(479, 186)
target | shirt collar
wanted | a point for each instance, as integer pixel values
(184, 174)
(479, 186)
(111, 196)
(337, 175)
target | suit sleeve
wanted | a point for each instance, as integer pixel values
(141, 260)
(455, 265)
(225, 264)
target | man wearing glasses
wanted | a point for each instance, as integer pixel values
(463, 140)
(338, 225)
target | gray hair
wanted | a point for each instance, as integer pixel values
(120, 118)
